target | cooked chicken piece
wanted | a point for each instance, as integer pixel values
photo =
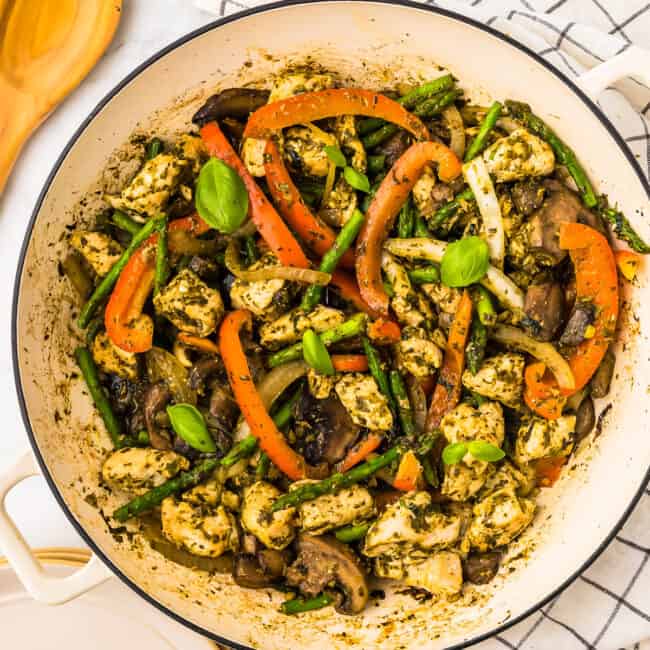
(112, 359)
(417, 353)
(538, 438)
(464, 479)
(409, 306)
(204, 531)
(363, 400)
(267, 299)
(445, 298)
(498, 519)
(141, 468)
(519, 155)
(293, 83)
(230, 501)
(192, 149)
(208, 493)
(353, 504)
(304, 150)
(519, 480)
(147, 194)
(500, 377)
(252, 154)
(440, 574)
(346, 133)
(291, 326)
(98, 249)
(340, 204)
(429, 195)
(273, 529)
(412, 524)
(320, 386)
(190, 304)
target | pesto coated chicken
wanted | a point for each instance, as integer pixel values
(340, 334)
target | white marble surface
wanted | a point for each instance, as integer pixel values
(146, 26)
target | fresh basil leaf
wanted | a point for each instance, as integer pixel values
(465, 261)
(189, 424)
(221, 198)
(453, 453)
(335, 155)
(358, 180)
(485, 451)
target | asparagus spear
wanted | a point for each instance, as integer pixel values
(336, 481)
(484, 307)
(564, 154)
(475, 349)
(162, 267)
(420, 229)
(376, 164)
(624, 230)
(449, 208)
(404, 410)
(154, 147)
(349, 534)
(299, 605)
(330, 260)
(478, 143)
(406, 220)
(348, 329)
(424, 274)
(377, 371)
(124, 222)
(105, 286)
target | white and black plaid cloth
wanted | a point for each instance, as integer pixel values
(608, 607)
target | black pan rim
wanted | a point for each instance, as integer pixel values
(589, 104)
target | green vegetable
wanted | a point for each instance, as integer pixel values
(475, 349)
(94, 327)
(284, 414)
(250, 250)
(154, 147)
(330, 260)
(335, 155)
(188, 422)
(485, 451)
(124, 222)
(299, 605)
(453, 453)
(484, 307)
(336, 481)
(89, 371)
(263, 464)
(388, 288)
(346, 330)
(105, 286)
(464, 262)
(356, 179)
(624, 230)
(406, 220)
(376, 164)
(315, 353)
(424, 275)
(404, 411)
(162, 267)
(436, 104)
(349, 534)
(479, 142)
(377, 371)
(420, 229)
(221, 197)
(430, 474)
(382, 134)
(563, 153)
(242, 449)
(449, 209)
(367, 199)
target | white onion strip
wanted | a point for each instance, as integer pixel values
(454, 121)
(478, 178)
(432, 250)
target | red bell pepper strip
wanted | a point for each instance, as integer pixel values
(198, 343)
(267, 221)
(391, 195)
(447, 392)
(541, 392)
(316, 234)
(548, 470)
(384, 332)
(310, 107)
(347, 287)
(250, 403)
(350, 362)
(409, 473)
(360, 451)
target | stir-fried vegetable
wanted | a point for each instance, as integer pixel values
(479, 142)
(624, 230)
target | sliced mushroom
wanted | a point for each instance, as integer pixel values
(260, 570)
(223, 407)
(155, 399)
(232, 102)
(602, 378)
(324, 562)
(326, 426)
(480, 568)
(527, 196)
(582, 316)
(394, 147)
(544, 308)
(202, 370)
(585, 419)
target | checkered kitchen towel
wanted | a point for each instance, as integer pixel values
(609, 606)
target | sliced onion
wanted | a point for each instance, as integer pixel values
(478, 178)
(432, 250)
(454, 121)
(507, 124)
(271, 387)
(418, 403)
(544, 352)
(292, 273)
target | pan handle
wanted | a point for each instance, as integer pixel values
(633, 62)
(41, 586)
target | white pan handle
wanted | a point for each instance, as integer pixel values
(41, 586)
(634, 62)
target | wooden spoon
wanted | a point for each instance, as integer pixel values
(46, 48)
